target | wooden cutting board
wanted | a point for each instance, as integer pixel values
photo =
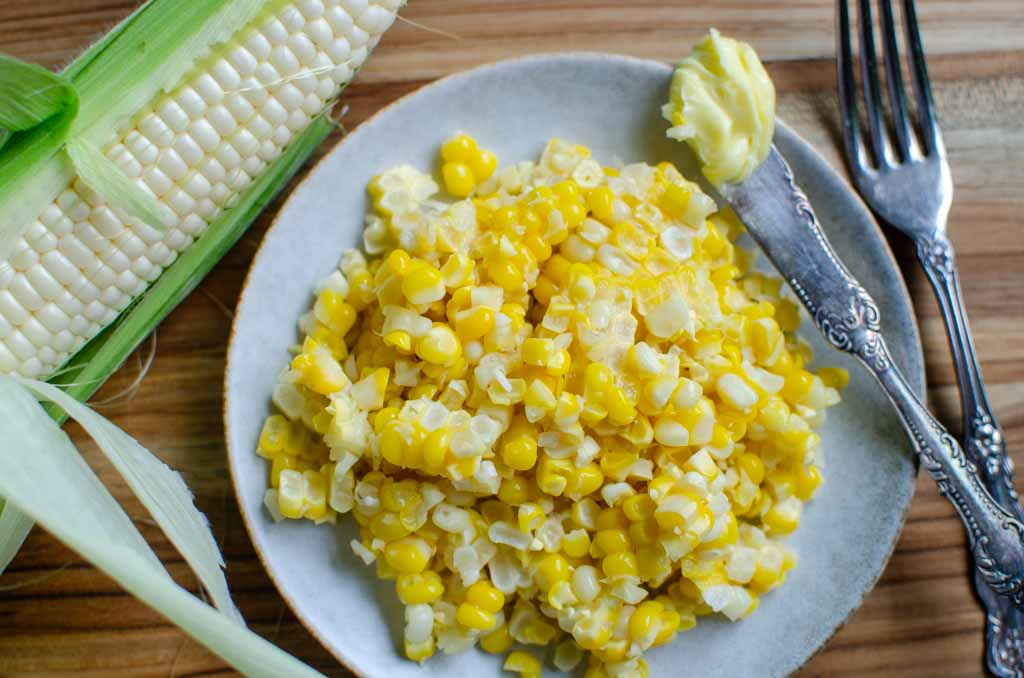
(60, 616)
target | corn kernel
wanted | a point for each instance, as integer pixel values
(623, 563)
(523, 663)
(552, 569)
(485, 596)
(458, 179)
(497, 641)
(439, 346)
(576, 544)
(408, 555)
(473, 617)
(418, 588)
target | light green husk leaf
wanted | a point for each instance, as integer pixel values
(43, 474)
(30, 95)
(162, 491)
(101, 175)
(14, 528)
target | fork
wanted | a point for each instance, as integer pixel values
(903, 174)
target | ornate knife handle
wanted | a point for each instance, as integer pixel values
(996, 537)
(784, 224)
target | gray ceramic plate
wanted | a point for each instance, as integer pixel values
(610, 104)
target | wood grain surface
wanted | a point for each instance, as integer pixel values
(59, 616)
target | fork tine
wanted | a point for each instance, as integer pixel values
(894, 80)
(869, 83)
(919, 77)
(847, 91)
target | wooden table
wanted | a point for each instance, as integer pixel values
(60, 616)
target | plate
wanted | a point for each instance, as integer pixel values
(610, 104)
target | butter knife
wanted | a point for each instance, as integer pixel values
(779, 217)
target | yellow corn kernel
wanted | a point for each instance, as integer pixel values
(594, 631)
(798, 384)
(520, 452)
(576, 544)
(675, 200)
(645, 622)
(552, 475)
(552, 569)
(638, 507)
(274, 437)
(282, 462)
(611, 518)
(557, 269)
(400, 340)
(474, 323)
(644, 532)
(483, 164)
(531, 516)
(320, 371)
(584, 480)
(671, 621)
(485, 596)
(290, 495)
(808, 479)
(616, 464)
(497, 641)
(408, 555)
(537, 351)
(523, 663)
(622, 563)
(314, 495)
(514, 490)
(473, 617)
(334, 312)
(396, 496)
(421, 651)
(834, 377)
(423, 284)
(459, 148)
(600, 201)
(752, 465)
(620, 411)
(458, 179)
(765, 337)
(387, 526)
(610, 541)
(417, 588)
(439, 346)
(783, 517)
(660, 486)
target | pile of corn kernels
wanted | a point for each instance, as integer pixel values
(563, 408)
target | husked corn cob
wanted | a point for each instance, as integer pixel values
(82, 261)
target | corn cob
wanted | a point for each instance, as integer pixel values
(82, 261)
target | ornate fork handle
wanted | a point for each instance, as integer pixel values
(983, 440)
(984, 445)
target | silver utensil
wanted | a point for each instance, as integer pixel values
(779, 217)
(904, 176)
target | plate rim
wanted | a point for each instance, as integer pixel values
(918, 381)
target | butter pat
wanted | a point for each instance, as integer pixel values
(722, 103)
